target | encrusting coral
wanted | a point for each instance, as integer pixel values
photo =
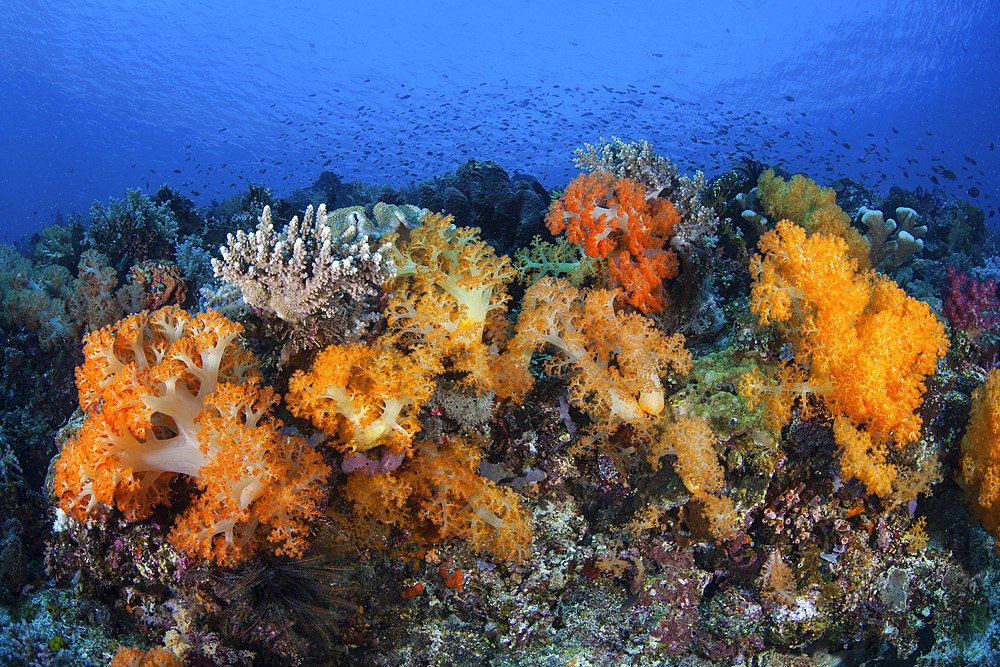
(168, 393)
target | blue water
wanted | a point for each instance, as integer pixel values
(97, 97)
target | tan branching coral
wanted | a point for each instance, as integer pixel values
(307, 269)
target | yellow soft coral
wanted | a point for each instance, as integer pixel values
(864, 345)
(437, 494)
(806, 203)
(692, 440)
(616, 359)
(448, 283)
(981, 455)
(365, 396)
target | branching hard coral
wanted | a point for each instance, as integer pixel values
(634, 161)
(365, 396)
(865, 345)
(892, 244)
(806, 203)
(981, 455)
(615, 360)
(447, 284)
(308, 269)
(168, 393)
(618, 219)
(437, 494)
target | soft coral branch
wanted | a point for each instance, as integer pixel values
(617, 218)
(168, 393)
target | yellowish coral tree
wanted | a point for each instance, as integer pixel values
(448, 284)
(863, 345)
(981, 454)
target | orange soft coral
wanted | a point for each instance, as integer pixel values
(169, 393)
(616, 218)
(437, 494)
(865, 345)
(448, 283)
(981, 455)
(365, 396)
(616, 358)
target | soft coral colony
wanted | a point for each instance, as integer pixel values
(401, 333)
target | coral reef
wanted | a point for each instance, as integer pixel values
(710, 424)
(305, 270)
(509, 211)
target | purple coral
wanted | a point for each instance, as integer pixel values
(969, 304)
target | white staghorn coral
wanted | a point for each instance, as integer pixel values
(306, 269)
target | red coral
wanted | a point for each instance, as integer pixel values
(617, 219)
(970, 305)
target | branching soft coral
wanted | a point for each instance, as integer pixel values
(981, 455)
(691, 439)
(616, 359)
(437, 494)
(617, 219)
(447, 284)
(169, 393)
(803, 201)
(866, 346)
(365, 396)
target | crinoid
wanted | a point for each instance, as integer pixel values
(268, 597)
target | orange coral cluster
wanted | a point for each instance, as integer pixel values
(617, 358)
(981, 455)
(365, 396)
(136, 657)
(806, 203)
(692, 441)
(448, 284)
(865, 346)
(616, 218)
(439, 495)
(169, 393)
(161, 282)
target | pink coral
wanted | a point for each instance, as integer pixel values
(970, 305)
